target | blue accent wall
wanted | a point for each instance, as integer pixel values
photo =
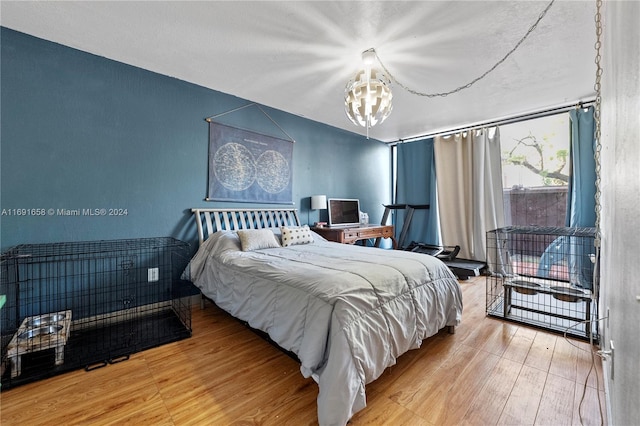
(79, 131)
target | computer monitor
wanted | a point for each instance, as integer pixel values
(343, 212)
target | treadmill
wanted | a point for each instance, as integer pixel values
(462, 268)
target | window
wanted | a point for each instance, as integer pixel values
(535, 170)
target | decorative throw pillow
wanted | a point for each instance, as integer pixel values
(254, 239)
(295, 236)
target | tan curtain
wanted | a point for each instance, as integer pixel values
(469, 186)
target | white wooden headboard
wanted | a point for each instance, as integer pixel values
(209, 221)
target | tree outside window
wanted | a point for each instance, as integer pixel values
(535, 169)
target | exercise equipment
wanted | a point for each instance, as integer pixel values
(462, 268)
(407, 221)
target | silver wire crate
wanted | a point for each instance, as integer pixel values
(545, 277)
(89, 304)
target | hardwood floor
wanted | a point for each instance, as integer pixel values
(489, 373)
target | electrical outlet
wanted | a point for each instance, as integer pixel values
(152, 275)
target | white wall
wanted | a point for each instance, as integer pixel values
(620, 224)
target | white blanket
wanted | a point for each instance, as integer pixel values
(346, 311)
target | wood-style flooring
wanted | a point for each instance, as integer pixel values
(490, 372)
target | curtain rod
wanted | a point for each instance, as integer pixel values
(502, 121)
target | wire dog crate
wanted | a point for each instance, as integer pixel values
(89, 304)
(544, 276)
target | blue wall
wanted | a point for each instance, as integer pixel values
(83, 132)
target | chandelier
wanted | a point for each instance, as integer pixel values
(367, 97)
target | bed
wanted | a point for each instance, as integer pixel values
(347, 312)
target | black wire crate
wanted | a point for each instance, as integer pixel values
(545, 277)
(89, 304)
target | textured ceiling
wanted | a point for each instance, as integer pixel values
(297, 56)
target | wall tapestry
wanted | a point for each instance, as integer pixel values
(249, 167)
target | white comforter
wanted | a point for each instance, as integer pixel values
(346, 311)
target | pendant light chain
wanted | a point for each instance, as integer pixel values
(475, 80)
(597, 117)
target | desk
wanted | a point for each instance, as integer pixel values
(352, 234)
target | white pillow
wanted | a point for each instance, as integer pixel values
(254, 239)
(296, 236)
